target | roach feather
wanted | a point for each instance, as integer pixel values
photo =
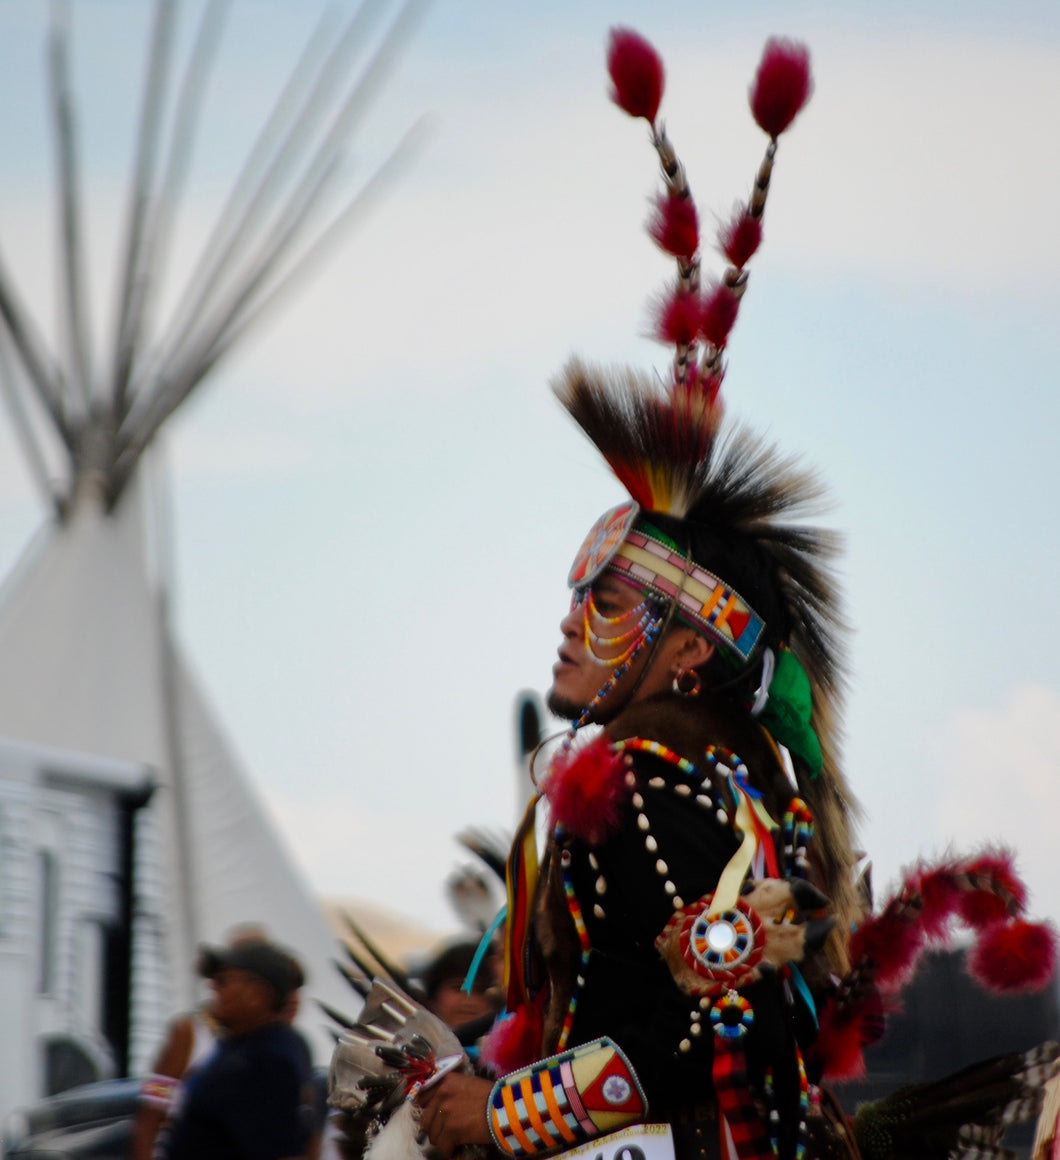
(718, 315)
(677, 317)
(674, 225)
(637, 74)
(782, 85)
(740, 237)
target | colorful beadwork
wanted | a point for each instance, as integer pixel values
(157, 1090)
(703, 601)
(601, 543)
(651, 631)
(797, 829)
(565, 1099)
(635, 635)
(723, 945)
(731, 1015)
(642, 745)
(574, 907)
(804, 1107)
(611, 621)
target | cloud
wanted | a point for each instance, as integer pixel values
(999, 772)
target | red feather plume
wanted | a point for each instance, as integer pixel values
(514, 1041)
(839, 1048)
(891, 943)
(678, 318)
(740, 237)
(1014, 956)
(782, 85)
(720, 307)
(1002, 894)
(637, 74)
(586, 788)
(940, 896)
(675, 225)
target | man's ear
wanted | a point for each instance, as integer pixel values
(695, 650)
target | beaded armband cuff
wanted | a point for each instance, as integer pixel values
(561, 1101)
(157, 1090)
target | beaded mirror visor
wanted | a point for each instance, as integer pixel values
(652, 566)
(605, 537)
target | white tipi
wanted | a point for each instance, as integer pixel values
(88, 659)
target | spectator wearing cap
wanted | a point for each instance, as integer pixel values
(251, 1099)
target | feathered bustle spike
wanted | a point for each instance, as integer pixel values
(677, 318)
(637, 74)
(969, 1109)
(740, 237)
(718, 315)
(1014, 956)
(674, 225)
(782, 85)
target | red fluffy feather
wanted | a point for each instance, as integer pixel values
(1001, 895)
(678, 317)
(782, 85)
(720, 307)
(941, 896)
(514, 1041)
(838, 1047)
(586, 788)
(674, 225)
(740, 237)
(1014, 956)
(636, 72)
(891, 943)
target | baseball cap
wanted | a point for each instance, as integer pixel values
(276, 966)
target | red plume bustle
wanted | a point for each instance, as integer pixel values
(1014, 956)
(782, 85)
(891, 942)
(939, 894)
(637, 74)
(994, 889)
(674, 225)
(1010, 954)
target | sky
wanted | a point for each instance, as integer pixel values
(375, 499)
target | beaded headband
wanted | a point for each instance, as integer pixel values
(651, 565)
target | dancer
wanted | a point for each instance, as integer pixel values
(679, 968)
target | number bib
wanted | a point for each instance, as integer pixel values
(638, 1142)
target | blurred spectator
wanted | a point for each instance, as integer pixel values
(251, 1099)
(443, 984)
